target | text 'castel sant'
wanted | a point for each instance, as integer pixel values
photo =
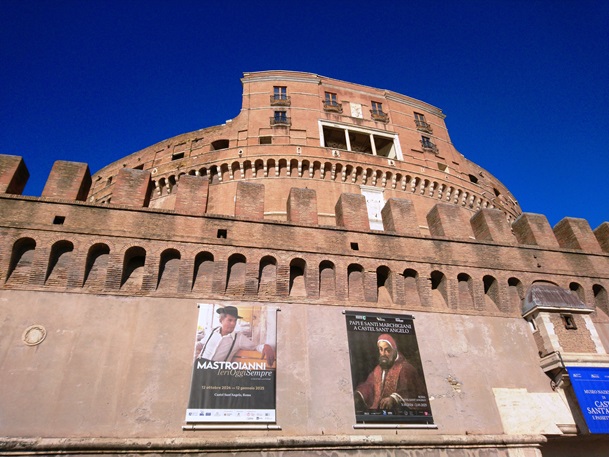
(324, 274)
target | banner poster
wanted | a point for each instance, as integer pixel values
(233, 375)
(591, 386)
(386, 370)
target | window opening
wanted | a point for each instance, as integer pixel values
(222, 233)
(355, 246)
(280, 92)
(219, 144)
(177, 156)
(59, 220)
(331, 103)
(428, 145)
(357, 139)
(280, 96)
(568, 321)
(377, 108)
(421, 123)
(377, 112)
(280, 118)
(266, 140)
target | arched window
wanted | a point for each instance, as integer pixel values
(59, 264)
(203, 273)
(169, 270)
(298, 278)
(267, 276)
(383, 285)
(439, 286)
(20, 265)
(327, 280)
(356, 282)
(235, 275)
(515, 294)
(579, 291)
(96, 266)
(491, 292)
(133, 269)
(601, 301)
(466, 291)
(411, 288)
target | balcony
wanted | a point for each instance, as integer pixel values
(379, 116)
(428, 146)
(423, 126)
(333, 107)
(281, 121)
(280, 100)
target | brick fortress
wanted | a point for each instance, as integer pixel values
(321, 196)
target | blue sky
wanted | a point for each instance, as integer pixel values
(524, 84)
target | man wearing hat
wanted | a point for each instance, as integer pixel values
(392, 382)
(224, 342)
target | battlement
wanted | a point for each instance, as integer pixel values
(59, 242)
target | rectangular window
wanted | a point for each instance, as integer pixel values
(569, 321)
(281, 116)
(280, 92)
(377, 108)
(356, 139)
(426, 142)
(421, 123)
(331, 99)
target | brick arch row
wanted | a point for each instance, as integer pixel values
(331, 171)
(133, 269)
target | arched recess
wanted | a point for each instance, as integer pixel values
(515, 294)
(235, 275)
(383, 285)
(203, 273)
(169, 270)
(465, 288)
(298, 278)
(259, 169)
(439, 289)
(327, 280)
(491, 292)
(60, 262)
(294, 168)
(578, 290)
(247, 169)
(267, 277)
(235, 170)
(214, 177)
(355, 274)
(411, 287)
(133, 269)
(306, 168)
(270, 166)
(96, 266)
(283, 168)
(20, 264)
(601, 300)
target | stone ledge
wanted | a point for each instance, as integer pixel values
(66, 446)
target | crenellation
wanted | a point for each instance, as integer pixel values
(68, 181)
(534, 229)
(13, 174)
(602, 236)
(574, 233)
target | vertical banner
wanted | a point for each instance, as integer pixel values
(386, 370)
(591, 386)
(233, 376)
